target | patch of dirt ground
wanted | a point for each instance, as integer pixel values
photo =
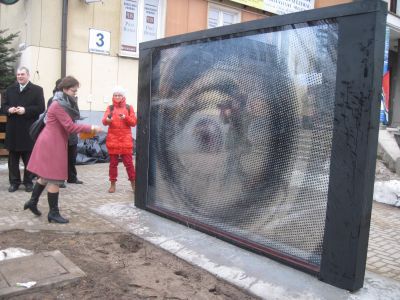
(120, 266)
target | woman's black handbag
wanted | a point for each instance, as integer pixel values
(37, 126)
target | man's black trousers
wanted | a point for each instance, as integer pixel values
(72, 174)
(13, 167)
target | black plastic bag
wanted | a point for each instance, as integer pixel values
(92, 150)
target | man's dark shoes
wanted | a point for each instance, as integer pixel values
(28, 188)
(77, 181)
(63, 185)
(13, 188)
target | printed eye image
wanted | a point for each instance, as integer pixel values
(241, 133)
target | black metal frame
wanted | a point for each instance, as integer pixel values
(355, 135)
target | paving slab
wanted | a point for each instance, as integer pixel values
(47, 269)
(74, 202)
(77, 201)
(257, 274)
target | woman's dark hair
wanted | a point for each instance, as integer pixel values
(56, 89)
(67, 83)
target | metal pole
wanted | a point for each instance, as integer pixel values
(64, 38)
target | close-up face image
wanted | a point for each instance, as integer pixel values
(234, 122)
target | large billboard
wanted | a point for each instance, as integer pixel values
(265, 133)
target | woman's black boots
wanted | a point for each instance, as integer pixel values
(54, 213)
(32, 203)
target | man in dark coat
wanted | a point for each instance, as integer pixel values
(23, 103)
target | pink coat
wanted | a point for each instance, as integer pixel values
(49, 158)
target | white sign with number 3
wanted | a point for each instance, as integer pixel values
(99, 41)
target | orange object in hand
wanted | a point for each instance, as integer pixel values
(86, 135)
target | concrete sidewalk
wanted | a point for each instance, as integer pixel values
(81, 204)
(75, 202)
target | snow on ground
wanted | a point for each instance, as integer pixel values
(387, 192)
(14, 253)
(3, 166)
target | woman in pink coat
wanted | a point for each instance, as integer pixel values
(49, 158)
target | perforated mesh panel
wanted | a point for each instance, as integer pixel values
(241, 133)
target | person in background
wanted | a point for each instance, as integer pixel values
(23, 103)
(52, 169)
(120, 117)
(72, 147)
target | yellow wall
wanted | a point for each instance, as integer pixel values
(249, 16)
(97, 73)
(39, 23)
(191, 15)
(44, 22)
(44, 66)
(324, 3)
(177, 17)
(197, 15)
(101, 16)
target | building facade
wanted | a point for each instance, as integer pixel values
(98, 41)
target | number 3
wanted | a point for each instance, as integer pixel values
(100, 41)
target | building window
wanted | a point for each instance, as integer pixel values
(141, 21)
(221, 15)
(392, 6)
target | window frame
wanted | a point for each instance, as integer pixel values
(237, 14)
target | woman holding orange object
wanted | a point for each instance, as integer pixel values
(49, 158)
